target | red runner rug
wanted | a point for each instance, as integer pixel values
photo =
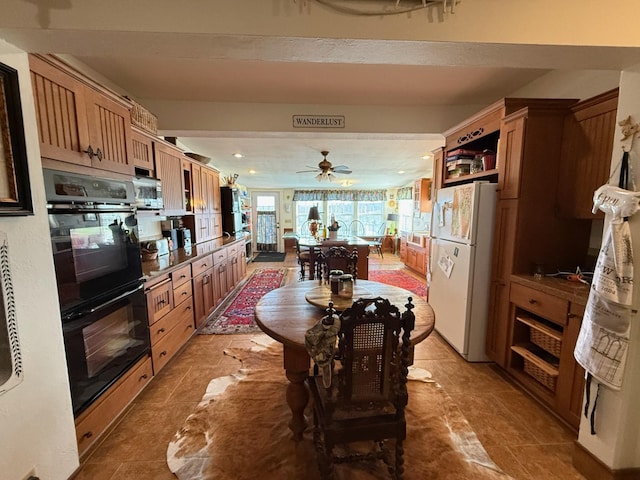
(400, 279)
(238, 313)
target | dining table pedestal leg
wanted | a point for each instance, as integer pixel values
(296, 365)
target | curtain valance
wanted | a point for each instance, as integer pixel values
(343, 195)
(405, 193)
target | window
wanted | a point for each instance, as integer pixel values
(343, 212)
(302, 212)
(405, 218)
(370, 213)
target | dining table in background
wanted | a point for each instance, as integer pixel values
(285, 314)
(315, 245)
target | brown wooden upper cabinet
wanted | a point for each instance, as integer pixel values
(422, 195)
(142, 151)
(587, 148)
(79, 123)
(168, 168)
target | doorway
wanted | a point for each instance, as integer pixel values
(266, 213)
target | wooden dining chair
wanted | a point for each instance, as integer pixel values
(303, 257)
(376, 243)
(359, 391)
(336, 258)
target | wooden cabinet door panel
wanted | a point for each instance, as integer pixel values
(498, 323)
(216, 225)
(159, 300)
(196, 185)
(60, 113)
(109, 131)
(506, 218)
(208, 191)
(570, 390)
(587, 145)
(215, 187)
(169, 170)
(142, 152)
(203, 296)
(510, 154)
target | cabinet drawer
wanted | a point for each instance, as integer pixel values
(547, 306)
(201, 265)
(159, 300)
(168, 346)
(181, 275)
(95, 420)
(181, 293)
(162, 327)
(220, 256)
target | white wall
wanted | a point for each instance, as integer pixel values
(617, 439)
(37, 432)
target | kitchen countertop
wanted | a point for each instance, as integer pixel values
(181, 256)
(575, 292)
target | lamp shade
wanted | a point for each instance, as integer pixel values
(313, 214)
(392, 217)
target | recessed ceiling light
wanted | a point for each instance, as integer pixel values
(238, 155)
(252, 171)
(400, 172)
(426, 157)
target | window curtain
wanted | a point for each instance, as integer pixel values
(342, 195)
(266, 239)
(405, 193)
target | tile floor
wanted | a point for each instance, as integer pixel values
(520, 436)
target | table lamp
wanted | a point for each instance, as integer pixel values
(393, 218)
(313, 217)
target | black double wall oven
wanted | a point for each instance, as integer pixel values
(99, 275)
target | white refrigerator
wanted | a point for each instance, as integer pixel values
(460, 265)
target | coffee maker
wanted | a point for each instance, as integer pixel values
(184, 237)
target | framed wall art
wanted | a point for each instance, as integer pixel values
(15, 190)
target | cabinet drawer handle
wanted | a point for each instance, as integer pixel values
(162, 302)
(189, 326)
(163, 353)
(184, 293)
(189, 307)
(88, 435)
(532, 301)
(162, 330)
(144, 376)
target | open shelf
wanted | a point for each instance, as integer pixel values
(484, 175)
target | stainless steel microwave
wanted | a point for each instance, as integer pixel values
(148, 193)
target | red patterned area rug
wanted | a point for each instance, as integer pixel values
(238, 313)
(398, 278)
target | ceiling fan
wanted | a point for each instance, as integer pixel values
(326, 169)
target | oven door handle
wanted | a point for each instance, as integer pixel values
(114, 300)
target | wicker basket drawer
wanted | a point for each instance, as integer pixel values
(542, 335)
(547, 306)
(541, 371)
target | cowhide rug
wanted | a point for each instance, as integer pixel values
(239, 431)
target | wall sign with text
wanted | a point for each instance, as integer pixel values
(318, 121)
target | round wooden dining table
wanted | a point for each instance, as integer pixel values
(285, 314)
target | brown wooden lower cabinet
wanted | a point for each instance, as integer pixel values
(543, 333)
(416, 257)
(95, 420)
